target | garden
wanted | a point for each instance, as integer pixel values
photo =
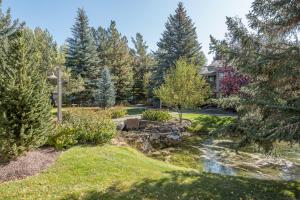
(124, 123)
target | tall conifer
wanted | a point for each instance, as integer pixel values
(82, 56)
(105, 95)
(114, 52)
(179, 40)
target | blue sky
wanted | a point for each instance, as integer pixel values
(145, 16)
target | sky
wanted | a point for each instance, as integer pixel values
(147, 17)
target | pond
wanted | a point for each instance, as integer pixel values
(217, 157)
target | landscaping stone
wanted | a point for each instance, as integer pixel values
(120, 125)
(132, 124)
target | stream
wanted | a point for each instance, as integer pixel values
(217, 158)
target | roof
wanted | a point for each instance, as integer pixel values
(212, 68)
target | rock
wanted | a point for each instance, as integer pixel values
(172, 139)
(164, 129)
(120, 125)
(132, 124)
(143, 124)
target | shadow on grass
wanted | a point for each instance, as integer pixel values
(190, 185)
(207, 123)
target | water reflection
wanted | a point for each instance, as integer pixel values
(222, 160)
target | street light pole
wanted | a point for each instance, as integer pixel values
(59, 95)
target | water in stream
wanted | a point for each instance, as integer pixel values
(219, 159)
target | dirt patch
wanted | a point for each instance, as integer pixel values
(27, 165)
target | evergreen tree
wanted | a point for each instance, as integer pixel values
(47, 49)
(114, 52)
(143, 62)
(25, 117)
(269, 54)
(7, 29)
(105, 96)
(82, 56)
(179, 40)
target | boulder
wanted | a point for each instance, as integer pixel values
(143, 124)
(120, 125)
(132, 124)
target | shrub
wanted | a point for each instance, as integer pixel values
(156, 115)
(117, 112)
(83, 126)
(25, 109)
(227, 103)
(64, 138)
(95, 130)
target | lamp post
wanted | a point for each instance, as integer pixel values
(58, 78)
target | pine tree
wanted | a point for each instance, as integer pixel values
(143, 62)
(25, 117)
(114, 52)
(47, 48)
(105, 96)
(269, 54)
(82, 56)
(7, 29)
(179, 40)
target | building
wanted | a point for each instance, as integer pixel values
(213, 75)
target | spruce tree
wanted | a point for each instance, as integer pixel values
(269, 53)
(105, 96)
(179, 40)
(114, 52)
(142, 64)
(82, 56)
(7, 29)
(25, 117)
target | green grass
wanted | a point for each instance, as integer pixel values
(110, 172)
(135, 110)
(184, 154)
(202, 123)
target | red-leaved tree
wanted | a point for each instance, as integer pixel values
(232, 81)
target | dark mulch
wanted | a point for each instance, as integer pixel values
(28, 165)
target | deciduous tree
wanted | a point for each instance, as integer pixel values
(183, 87)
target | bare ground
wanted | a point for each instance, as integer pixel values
(28, 165)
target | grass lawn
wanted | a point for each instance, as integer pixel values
(110, 172)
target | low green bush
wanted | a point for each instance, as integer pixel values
(65, 137)
(117, 112)
(84, 126)
(227, 103)
(156, 115)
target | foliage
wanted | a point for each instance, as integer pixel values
(232, 81)
(64, 137)
(156, 115)
(7, 29)
(82, 57)
(142, 64)
(228, 103)
(137, 176)
(183, 87)
(179, 40)
(114, 53)
(117, 112)
(269, 54)
(24, 106)
(90, 126)
(105, 95)
(47, 49)
(207, 124)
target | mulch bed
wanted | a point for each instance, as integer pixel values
(28, 165)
